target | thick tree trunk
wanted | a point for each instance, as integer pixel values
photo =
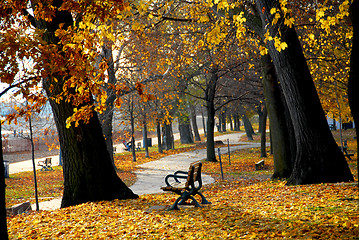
(318, 158)
(193, 115)
(3, 224)
(262, 130)
(353, 83)
(209, 95)
(280, 145)
(88, 171)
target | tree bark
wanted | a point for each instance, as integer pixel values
(193, 115)
(159, 137)
(204, 124)
(88, 171)
(247, 124)
(237, 122)
(353, 83)
(167, 137)
(145, 136)
(185, 131)
(260, 118)
(223, 124)
(209, 96)
(3, 224)
(132, 122)
(230, 118)
(262, 130)
(184, 127)
(281, 148)
(106, 117)
(318, 158)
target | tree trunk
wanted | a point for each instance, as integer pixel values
(318, 158)
(168, 137)
(3, 224)
(237, 122)
(106, 117)
(88, 171)
(353, 83)
(247, 124)
(106, 124)
(145, 134)
(204, 124)
(185, 131)
(260, 117)
(262, 130)
(33, 164)
(193, 115)
(132, 122)
(223, 120)
(209, 95)
(282, 155)
(159, 138)
(230, 122)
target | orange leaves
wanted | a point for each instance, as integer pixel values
(247, 205)
(264, 210)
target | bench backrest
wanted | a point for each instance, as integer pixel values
(194, 174)
(48, 161)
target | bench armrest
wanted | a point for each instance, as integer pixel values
(181, 172)
(41, 163)
(175, 177)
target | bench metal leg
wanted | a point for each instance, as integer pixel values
(174, 206)
(204, 200)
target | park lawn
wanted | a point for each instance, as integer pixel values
(246, 204)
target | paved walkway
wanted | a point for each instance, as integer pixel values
(150, 176)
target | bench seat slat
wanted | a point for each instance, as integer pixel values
(175, 186)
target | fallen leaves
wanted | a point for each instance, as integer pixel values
(246, 205)
(262, 210)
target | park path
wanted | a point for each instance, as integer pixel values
(150, 176)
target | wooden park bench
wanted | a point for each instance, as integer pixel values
(186, 189)
(259, 165)
(45, 164)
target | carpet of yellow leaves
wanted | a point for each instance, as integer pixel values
(20, 186)
(245, 205)
(259, 211)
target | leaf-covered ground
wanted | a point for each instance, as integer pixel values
(20, 186)
(245, 205)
